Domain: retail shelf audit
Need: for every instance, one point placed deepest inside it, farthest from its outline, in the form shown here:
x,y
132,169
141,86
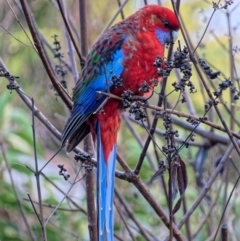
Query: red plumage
x,y
140,51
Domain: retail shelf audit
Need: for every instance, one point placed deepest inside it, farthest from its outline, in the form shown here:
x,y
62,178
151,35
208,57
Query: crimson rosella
x,y
127,50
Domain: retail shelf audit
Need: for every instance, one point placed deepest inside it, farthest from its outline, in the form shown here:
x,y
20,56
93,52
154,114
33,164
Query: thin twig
x,y
19,22
49,46
34,209
139,140
119,4
210,137
62,229
16,38
65,195
55,209
113,18
37,176
230,134
51,206
83,26
231,67
31,235
82,60
70,47
42,53
209,21
119,238
188,227
124,222
44,40
131,215
180,114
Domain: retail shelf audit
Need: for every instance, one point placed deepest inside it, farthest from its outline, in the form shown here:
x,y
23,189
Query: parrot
x,y
126,51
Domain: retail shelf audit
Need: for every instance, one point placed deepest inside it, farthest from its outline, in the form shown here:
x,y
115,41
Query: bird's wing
x,y
103,62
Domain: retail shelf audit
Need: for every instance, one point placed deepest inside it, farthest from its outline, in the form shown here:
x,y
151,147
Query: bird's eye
x,y
166,24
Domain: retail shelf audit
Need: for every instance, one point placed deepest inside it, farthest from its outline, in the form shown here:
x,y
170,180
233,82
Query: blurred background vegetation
x,y
16,120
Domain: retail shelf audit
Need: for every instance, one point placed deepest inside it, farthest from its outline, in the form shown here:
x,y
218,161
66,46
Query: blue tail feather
x,y
105,191
111,164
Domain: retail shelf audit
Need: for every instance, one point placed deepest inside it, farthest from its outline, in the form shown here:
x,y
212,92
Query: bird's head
x,y
160,20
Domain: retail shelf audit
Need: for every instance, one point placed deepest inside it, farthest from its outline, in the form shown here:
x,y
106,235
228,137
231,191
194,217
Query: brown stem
x,y
83,26
224,231
231,63
92,220
37,176
42,53
187,222
82,61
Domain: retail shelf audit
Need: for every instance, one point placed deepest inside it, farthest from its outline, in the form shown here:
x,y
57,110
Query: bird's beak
x,y
174,35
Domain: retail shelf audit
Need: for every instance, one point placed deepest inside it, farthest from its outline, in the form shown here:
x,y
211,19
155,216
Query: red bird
x,y
126,51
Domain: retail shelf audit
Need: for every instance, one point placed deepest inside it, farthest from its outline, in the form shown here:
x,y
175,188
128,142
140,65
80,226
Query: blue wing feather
x,y
86,98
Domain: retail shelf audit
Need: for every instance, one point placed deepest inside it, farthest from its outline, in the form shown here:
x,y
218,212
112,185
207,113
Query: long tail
x,y
105,190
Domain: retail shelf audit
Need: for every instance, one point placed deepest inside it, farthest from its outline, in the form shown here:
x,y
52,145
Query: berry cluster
x,y
217,6
192,121
207,70
117,81
180,61
82,157
11,78
227,83
138,112
144,87
59,68
127,98
63,172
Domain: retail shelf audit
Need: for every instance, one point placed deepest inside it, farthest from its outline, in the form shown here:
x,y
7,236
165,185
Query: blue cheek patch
x,y
162,36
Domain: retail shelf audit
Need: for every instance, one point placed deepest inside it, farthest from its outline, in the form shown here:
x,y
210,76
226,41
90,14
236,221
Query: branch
x,y
82,60
42,53
37,176
179,114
